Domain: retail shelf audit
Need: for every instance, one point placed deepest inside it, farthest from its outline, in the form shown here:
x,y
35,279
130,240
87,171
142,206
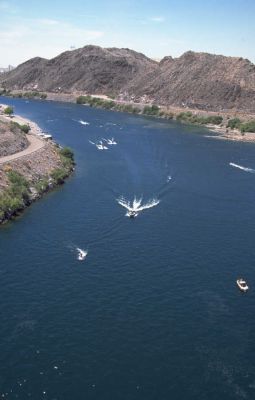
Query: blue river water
x,y
153,312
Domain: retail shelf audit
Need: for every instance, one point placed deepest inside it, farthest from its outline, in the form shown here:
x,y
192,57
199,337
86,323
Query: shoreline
x,y
39,168
170,112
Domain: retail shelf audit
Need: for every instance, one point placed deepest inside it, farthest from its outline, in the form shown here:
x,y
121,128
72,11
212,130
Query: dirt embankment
x,y
29,167
12,139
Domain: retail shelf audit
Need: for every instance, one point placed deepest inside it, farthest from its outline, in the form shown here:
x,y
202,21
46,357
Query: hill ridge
x,y
195,79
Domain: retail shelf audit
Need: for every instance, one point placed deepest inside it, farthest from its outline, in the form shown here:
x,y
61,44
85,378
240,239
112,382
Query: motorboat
x,y
111,141
241,283
132,214
100,146
81,254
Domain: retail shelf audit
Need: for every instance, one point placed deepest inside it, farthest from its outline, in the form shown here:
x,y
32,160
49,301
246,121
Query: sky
x,y
45,28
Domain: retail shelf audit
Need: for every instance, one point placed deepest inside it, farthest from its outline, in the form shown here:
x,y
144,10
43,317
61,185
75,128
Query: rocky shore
x,y
37,165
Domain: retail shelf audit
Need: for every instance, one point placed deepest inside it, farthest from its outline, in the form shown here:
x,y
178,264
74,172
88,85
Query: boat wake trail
x,y
135,207
99,145
83,122
242,168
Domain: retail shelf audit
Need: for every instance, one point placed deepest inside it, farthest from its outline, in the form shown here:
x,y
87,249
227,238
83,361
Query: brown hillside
x,y
197,80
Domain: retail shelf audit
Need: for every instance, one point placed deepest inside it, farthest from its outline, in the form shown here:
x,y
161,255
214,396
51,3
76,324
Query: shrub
x,y
16,196
58,175
234,123
8,110
42,185
187,116
25,128
184,116
248,126
67,152
151,110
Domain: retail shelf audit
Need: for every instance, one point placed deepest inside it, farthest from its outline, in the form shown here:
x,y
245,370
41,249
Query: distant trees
x,y
236,123
187,116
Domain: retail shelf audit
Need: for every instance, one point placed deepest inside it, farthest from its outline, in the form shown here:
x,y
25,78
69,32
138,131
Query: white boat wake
x,y
241,167
81,254
133,208
169,178
83,122
99,145
111,141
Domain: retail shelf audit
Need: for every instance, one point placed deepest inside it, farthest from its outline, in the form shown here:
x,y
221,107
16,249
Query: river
x,y
153,311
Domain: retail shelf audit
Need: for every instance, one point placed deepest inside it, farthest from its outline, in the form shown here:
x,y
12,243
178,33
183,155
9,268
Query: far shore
x,y
223,132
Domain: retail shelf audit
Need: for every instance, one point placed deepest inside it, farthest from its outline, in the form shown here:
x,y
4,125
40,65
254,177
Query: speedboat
x,y
132,214
111,141
100,146
241,283
81,254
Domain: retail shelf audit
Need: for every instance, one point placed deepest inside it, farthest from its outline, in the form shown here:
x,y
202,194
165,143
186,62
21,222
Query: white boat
x,y
110,141
81,254
101,146
241,283
132,214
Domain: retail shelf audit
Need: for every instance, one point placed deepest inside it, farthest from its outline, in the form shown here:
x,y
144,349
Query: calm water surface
x,y
153,312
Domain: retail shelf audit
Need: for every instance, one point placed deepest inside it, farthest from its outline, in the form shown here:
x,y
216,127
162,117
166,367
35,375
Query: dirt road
x,y
35,143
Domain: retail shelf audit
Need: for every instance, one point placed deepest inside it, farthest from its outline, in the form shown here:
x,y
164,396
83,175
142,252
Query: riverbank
x,y
27,175
147,108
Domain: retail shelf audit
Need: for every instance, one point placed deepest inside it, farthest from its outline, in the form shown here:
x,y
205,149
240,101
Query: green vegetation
x,y
67,158
15,197
234,123
151,110
18,195
28,95
248,126
129,108
34,94
188,117
24,128
42,185
58,175
8,110
67,152
4,92
96,102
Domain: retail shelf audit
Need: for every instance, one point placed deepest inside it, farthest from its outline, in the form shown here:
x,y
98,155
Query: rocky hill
x,y
91,69
196,80
12,139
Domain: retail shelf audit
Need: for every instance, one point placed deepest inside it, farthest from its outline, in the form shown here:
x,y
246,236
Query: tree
x,y
8,110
